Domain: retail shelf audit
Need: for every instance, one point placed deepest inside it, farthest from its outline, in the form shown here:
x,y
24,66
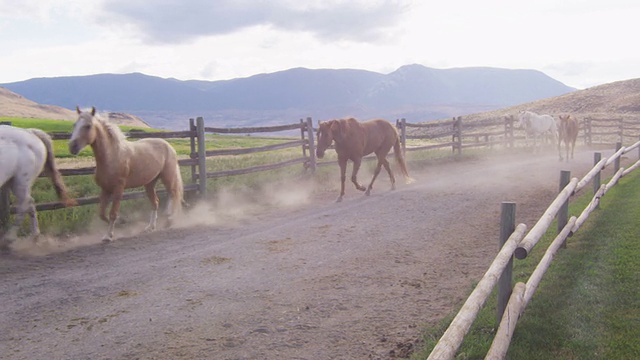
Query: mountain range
x,y
415,92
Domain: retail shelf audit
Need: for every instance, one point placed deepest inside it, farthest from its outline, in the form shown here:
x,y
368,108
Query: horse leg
x,y
343,177
391,177
116,197
24,205
150,188
354,175
104,202
375,175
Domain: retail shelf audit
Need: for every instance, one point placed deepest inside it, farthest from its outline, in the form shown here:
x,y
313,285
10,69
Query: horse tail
x,y
397,150
51,170
177,195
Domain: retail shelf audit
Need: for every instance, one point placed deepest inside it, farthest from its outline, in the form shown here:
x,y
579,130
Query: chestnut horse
x,y
121,164
354,140
24,154
568,132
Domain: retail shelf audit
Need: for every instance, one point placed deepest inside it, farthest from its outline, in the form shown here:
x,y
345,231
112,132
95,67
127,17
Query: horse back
x,y
22,150
381,135
148,159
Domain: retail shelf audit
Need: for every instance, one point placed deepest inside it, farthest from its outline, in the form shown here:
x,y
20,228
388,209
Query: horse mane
x,y
112,130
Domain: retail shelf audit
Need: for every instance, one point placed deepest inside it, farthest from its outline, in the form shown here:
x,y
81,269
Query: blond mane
x,y
113,131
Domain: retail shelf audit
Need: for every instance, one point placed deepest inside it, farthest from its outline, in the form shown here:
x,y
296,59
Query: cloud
x,y
178,21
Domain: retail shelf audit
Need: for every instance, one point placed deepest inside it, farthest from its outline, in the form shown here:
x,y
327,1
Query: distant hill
x,y
415,92
14,105
620,99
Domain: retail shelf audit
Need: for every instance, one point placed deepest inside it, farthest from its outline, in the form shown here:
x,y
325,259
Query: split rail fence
x,y
454,134
516,241
475,134
197,160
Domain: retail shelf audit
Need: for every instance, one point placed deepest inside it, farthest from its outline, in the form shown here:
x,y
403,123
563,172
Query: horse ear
x,y
78,109
93,111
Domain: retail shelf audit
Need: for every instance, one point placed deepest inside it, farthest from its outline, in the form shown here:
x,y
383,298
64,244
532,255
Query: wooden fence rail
x,y
599,131
196,161
455,134
520,245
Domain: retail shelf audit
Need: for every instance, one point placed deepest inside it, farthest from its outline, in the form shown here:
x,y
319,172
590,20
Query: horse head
x,y
328,131
84,132
523,116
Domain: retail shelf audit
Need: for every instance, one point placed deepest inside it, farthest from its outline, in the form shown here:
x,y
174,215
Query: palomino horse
x,y
568,130
354,140
537,126
24,154
121,164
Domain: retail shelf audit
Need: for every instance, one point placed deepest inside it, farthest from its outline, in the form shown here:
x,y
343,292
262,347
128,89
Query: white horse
x,y
537,126
24,154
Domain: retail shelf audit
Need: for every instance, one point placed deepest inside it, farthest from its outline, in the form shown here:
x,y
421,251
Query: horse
x,y
537,126
568,130
24,155
353,140
121,164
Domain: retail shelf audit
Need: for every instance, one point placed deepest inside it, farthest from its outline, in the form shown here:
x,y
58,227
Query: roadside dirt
x,y
296,277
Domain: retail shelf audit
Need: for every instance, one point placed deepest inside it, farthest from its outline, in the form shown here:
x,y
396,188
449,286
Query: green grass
x,y
588,303
182,146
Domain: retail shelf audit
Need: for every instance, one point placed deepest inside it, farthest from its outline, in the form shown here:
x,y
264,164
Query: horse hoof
x,y
106,240
367,193
339,199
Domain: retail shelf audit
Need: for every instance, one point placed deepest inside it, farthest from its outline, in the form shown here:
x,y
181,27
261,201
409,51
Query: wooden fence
x,y
196,161
516,241
455,134
599,131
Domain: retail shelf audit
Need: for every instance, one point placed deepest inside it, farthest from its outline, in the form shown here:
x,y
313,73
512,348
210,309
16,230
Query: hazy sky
x,y
581,43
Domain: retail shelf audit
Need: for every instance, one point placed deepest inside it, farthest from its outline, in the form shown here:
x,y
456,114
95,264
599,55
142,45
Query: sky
x,y
581,43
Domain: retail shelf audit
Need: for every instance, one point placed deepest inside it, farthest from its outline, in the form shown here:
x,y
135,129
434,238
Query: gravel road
x,y
300,278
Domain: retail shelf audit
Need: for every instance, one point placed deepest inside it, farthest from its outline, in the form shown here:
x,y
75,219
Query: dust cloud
x,y
228,207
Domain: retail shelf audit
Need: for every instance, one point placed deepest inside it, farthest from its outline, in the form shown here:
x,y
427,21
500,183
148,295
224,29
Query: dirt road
x,y
308,279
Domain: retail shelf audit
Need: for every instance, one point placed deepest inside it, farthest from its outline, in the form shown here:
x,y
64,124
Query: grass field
x,y
588,304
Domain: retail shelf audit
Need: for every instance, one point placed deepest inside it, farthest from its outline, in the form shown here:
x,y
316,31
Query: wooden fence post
x,y
596,178
563,213
5,206
312,146
507,227
616,162
192,139
202,158
402,124
621,130
508,131
457,133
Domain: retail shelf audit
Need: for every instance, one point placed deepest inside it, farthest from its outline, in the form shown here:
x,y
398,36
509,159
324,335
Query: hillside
x,y
14,105
613,100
